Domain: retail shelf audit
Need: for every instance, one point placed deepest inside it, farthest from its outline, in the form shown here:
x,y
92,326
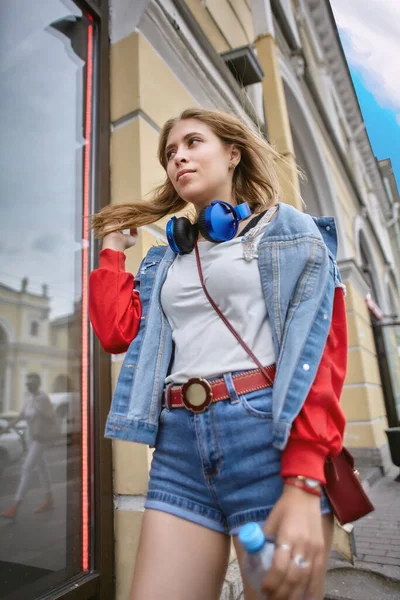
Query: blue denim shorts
x,y
218,468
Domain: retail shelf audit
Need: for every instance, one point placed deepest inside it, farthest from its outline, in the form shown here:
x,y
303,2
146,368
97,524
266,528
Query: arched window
x,y
307,184
34,329
367,267
393,310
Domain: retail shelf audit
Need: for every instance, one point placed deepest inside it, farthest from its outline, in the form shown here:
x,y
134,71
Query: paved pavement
x,y
40,540
376,572
35,546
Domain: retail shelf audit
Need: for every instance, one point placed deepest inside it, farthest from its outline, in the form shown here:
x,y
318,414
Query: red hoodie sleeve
x,y
318,429
114,307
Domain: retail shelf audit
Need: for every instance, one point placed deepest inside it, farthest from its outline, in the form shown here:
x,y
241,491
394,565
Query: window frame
x,y
98,583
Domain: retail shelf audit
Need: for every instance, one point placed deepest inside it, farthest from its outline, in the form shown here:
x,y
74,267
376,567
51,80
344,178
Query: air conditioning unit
x,y
244,66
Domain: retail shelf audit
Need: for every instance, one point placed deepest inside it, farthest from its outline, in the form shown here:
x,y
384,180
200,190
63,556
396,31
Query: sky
x,y
41,102
370,34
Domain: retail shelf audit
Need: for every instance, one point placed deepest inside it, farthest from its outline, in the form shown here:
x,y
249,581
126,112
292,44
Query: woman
x,y
257,451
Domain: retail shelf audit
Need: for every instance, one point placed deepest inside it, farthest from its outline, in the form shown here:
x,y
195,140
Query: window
x,y
51,64
34,329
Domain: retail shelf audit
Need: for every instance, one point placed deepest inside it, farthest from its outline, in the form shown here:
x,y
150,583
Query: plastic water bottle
x,y
259,553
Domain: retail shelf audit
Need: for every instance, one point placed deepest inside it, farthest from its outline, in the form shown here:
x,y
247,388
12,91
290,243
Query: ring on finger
x,y
300,561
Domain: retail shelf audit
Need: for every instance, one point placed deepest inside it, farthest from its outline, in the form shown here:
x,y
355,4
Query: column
x,y
362,398
275,107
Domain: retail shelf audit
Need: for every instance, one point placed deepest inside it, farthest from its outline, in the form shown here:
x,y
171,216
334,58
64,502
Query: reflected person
x,y
40,415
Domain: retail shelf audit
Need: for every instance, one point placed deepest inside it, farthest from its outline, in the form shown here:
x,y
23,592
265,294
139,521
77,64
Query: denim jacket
x,y
296,259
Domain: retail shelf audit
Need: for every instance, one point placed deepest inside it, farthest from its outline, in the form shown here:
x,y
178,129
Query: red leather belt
x,y
197,394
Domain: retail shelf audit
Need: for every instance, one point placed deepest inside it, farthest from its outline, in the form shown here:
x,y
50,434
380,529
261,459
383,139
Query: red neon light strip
x,y
85,318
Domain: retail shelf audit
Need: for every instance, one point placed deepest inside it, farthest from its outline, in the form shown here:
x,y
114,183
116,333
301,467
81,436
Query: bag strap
x,y
225,320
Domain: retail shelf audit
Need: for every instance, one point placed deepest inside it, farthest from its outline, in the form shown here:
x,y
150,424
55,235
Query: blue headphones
x,y
217,222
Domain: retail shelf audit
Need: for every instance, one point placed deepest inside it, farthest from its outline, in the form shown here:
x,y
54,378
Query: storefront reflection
x,y
43,429
45,89
40,426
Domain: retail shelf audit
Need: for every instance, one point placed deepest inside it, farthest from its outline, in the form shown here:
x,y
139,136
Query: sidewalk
x,y
376,572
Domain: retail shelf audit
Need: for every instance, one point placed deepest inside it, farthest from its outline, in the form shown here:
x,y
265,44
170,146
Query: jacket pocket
x,y
312,273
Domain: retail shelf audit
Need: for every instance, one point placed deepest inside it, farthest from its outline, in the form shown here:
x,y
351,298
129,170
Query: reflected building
x,y
31,342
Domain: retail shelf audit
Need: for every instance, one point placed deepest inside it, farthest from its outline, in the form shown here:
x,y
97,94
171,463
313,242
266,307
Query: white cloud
x,y
40,178
370,32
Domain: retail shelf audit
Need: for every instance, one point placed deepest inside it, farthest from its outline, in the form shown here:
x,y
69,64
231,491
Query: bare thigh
x,y
250,594
178,560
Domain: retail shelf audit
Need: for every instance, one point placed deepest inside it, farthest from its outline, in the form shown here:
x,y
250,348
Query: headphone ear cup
x,y
185,234
201,222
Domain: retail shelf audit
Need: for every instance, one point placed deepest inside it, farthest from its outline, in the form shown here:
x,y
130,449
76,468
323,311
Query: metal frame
x,y
101,464
98,583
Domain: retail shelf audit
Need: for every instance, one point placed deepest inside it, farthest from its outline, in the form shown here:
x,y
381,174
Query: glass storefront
x,y
48,67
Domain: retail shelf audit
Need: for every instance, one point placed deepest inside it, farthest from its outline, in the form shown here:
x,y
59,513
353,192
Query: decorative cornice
x,y
18,300
325,26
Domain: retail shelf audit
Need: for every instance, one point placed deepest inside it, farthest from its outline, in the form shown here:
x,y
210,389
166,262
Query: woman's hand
x,y
117,240
298,567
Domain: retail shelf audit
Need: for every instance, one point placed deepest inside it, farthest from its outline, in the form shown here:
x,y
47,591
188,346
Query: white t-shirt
x,y
204,346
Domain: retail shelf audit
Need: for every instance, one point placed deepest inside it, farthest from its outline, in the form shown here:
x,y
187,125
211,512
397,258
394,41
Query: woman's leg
x,y
45,480
27,468
250,594
178,559
42,467
30,462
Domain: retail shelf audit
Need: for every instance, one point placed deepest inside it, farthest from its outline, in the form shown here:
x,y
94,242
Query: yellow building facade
x,y
170,55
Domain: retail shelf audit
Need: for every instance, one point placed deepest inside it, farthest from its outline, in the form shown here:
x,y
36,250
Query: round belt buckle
x,y
197,394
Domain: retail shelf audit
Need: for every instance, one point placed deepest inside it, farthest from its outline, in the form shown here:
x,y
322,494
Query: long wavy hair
x,y
254,181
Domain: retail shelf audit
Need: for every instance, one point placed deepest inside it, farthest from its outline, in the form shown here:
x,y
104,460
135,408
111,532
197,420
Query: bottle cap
x,y
252,537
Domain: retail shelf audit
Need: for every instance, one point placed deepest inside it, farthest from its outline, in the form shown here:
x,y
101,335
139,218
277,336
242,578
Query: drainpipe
x,y
275,108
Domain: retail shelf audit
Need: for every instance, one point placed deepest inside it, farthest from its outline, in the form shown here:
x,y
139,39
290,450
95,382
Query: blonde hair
x,y
254,181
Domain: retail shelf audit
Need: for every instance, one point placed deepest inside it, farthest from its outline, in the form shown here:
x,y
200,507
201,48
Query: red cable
x,y
85,317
